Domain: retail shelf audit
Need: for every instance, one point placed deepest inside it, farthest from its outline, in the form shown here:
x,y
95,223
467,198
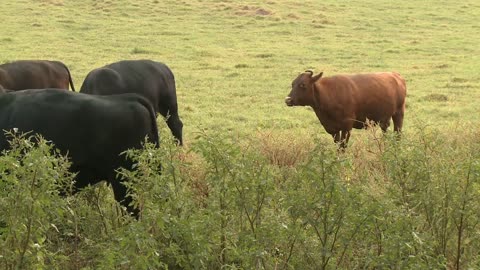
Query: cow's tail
x,y
403,86
399,78
69,77
153,118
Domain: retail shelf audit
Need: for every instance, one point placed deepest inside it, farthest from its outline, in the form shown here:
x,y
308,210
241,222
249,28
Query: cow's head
x,y
302,89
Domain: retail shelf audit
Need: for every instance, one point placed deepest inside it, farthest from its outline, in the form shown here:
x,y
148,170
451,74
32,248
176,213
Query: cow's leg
x,y
341,138
384,124
337,137
398,121
346,136
120,193
83,178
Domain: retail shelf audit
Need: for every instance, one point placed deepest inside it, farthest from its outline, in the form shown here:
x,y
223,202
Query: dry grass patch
x,y
53,2
193,169
253,11
436,97
284,149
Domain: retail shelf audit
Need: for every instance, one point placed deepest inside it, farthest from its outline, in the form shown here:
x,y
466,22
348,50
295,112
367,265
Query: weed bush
x,y
32,211
411,203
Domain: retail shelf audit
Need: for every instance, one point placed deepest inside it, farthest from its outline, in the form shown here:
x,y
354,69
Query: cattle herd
x,y
117,104
114,111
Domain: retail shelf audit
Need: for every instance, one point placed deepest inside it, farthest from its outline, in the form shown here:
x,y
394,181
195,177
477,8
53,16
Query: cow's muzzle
x,y
289,101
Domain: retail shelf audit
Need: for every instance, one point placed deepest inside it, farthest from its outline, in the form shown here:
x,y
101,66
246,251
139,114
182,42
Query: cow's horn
x,y
309,71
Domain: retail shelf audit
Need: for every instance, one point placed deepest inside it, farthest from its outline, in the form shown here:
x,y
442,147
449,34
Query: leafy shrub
x,y
31,178
411,203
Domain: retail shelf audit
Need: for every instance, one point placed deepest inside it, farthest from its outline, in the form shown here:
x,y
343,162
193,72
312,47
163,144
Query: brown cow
x,y
343,102
35,74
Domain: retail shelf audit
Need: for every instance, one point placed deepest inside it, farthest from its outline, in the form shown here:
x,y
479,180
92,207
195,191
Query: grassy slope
x,y
234,62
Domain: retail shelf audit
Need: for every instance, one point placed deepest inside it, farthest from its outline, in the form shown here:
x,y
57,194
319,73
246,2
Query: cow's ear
x,y
317,77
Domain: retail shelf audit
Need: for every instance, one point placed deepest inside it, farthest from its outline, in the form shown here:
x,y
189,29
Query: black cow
x,y
92,130
153,80
35,74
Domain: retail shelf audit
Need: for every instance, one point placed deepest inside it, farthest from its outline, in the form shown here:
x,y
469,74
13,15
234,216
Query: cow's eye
x,y
302,85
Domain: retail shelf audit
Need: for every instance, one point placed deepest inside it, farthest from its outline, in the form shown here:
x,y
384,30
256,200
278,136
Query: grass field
x,y
263,186
234,62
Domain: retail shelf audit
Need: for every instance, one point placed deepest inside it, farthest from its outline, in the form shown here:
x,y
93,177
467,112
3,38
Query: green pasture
x,y
258,185
234,61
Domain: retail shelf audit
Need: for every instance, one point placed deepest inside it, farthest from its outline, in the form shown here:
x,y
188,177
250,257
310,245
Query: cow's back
x,y
104,81
34,74
376,96
153,80
91,129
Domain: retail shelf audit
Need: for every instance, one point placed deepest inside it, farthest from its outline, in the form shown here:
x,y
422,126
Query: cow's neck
x,y
319,98
321,103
